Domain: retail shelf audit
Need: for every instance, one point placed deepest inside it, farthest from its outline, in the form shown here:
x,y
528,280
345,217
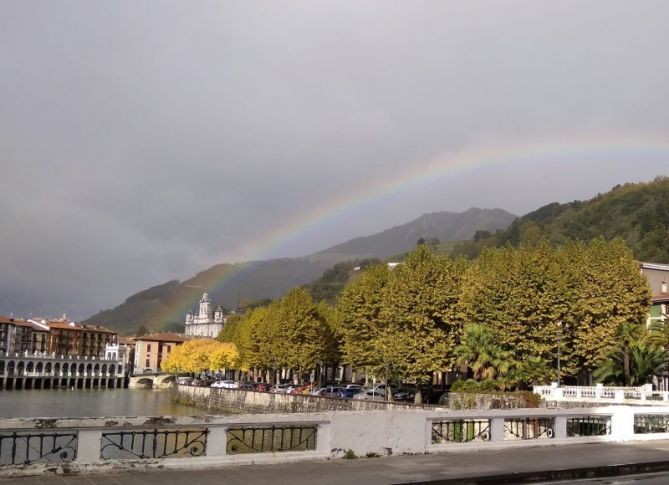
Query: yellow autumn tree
x,y
201,354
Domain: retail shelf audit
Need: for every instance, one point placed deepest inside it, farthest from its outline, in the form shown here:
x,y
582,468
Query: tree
x,y
141,331
420,309
480,352
646,360
360,323
200,355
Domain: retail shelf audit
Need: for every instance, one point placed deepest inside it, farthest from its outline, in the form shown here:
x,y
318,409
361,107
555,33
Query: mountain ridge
x,y
163,306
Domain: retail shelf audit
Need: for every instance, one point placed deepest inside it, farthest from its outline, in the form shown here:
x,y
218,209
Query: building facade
x,y
152,349
658,277
207,322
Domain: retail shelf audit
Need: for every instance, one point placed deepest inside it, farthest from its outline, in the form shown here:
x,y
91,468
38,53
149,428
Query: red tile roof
x,y
162,337
660,298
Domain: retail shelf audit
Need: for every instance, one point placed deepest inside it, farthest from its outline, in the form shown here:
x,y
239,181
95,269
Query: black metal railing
x,y
271,439
528,428
460,431
588,426
24,448
155,443
651,423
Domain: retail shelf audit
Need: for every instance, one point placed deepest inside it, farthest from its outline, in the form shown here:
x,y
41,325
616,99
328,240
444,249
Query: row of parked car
x,y
349,391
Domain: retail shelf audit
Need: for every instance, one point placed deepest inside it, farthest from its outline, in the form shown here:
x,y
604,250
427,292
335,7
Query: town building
x,y
20,336
124,351
658,277
151,349
69,338
207,322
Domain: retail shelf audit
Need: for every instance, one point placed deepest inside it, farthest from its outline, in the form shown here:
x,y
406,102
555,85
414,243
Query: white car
x,y
226,385
371,395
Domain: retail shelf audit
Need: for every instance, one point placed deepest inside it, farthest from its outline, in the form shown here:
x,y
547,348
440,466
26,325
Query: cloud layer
x,y
144,141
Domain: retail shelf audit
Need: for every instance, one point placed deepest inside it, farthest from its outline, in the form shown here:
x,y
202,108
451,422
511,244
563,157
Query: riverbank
x,y
235,401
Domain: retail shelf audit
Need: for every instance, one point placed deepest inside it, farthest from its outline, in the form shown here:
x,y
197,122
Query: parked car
x,y
371,395
184,381
197,383
357,387
247,386
281,388
348,393
329,391
227,384
404,394
262,387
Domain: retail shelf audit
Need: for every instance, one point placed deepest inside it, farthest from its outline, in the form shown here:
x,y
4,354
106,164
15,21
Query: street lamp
x,y
559,335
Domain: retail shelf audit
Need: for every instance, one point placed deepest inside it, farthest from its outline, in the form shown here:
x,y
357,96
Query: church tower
x,y
218,315
205,308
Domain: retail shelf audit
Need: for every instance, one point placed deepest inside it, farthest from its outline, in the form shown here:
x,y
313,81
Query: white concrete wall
x,y
382,432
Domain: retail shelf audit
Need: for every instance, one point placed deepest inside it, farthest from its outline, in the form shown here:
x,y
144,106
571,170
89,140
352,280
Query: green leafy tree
x,y
360,323
420,307
480,352
646,360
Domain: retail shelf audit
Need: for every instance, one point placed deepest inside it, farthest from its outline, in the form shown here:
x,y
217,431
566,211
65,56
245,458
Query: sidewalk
x,y
435,468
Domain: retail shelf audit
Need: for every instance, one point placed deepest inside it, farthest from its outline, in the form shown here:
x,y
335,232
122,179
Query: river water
x,y
54,403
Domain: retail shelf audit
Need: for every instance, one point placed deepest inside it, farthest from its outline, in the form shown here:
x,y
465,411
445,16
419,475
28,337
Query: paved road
x,y
645,479
391,470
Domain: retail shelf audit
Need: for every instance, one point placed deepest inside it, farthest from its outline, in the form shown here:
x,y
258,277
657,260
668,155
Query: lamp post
x,y
559,335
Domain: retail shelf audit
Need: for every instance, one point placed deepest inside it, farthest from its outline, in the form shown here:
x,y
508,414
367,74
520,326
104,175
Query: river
x,y
91,403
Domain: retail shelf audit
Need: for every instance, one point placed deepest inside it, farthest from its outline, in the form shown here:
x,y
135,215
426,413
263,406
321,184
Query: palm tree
x,y
479,352
645,361
626,334
535,370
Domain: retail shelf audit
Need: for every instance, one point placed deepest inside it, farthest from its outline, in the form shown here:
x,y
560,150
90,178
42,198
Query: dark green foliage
x,y
173,327
637,213
329,285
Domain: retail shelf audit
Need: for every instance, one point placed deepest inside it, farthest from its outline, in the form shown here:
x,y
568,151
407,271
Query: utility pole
x,y
559,335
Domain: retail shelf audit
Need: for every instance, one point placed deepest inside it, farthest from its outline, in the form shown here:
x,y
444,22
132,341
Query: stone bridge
x,y
151,381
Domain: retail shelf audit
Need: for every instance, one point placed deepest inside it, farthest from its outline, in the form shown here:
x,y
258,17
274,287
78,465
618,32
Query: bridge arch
x,y
39,368
96,370
47,368
20,368
56,369
167,379
11,368
30,367
104,370
89,370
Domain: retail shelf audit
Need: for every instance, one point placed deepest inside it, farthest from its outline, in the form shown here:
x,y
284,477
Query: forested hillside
x,y
163,307
638,213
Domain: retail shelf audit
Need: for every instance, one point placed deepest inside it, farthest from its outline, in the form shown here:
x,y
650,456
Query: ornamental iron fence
x,y
271,439
155,443
460,431
25,448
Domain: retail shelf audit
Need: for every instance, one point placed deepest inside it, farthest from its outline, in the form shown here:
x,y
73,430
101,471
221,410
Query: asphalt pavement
x,y
488,466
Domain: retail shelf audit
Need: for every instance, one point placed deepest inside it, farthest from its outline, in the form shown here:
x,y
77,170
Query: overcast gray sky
x,y
142,141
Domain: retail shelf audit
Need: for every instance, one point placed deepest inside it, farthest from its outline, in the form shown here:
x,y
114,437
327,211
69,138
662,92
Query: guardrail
x,y
73,445
601,393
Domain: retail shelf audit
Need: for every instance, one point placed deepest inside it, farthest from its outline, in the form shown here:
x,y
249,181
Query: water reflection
x,y
91,403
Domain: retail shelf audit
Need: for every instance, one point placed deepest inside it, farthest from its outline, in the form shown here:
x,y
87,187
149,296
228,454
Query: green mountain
x,y
444,226
638,213
164,306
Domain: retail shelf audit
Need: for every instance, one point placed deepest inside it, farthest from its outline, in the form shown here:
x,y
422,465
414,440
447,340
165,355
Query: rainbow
x,y
447,164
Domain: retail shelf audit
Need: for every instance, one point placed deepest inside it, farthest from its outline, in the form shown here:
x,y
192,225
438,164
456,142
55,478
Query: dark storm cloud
x,y
142,141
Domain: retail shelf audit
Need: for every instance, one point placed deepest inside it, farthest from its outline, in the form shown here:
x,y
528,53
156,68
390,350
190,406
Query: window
x,y
148,363
148,347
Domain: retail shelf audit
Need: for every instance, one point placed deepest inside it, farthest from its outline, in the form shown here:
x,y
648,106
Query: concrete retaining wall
x,y
251,402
